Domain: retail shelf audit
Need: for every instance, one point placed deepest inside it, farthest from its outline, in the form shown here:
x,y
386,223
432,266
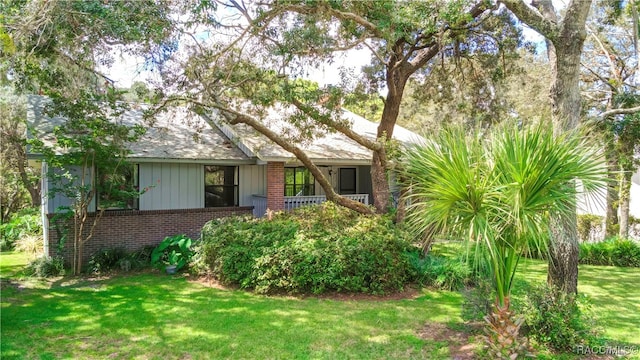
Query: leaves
x,y
498,190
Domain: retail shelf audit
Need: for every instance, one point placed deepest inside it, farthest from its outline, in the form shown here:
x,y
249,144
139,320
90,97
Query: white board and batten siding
x,y
252,180
181,186
171,186
53,201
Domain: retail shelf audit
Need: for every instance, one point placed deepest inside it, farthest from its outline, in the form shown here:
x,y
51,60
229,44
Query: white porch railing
x,y
293,202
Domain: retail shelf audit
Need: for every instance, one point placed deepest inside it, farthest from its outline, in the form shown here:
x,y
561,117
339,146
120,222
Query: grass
x,y
154,316
613,291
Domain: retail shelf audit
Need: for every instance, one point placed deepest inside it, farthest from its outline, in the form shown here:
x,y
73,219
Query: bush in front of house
x,y
317,249
26,222
109,259
612,252
45,266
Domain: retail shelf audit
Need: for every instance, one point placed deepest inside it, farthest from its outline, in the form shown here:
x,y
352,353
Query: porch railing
x,y
293,202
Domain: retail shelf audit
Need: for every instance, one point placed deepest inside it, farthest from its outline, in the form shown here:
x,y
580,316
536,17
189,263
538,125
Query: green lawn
x,y
155,316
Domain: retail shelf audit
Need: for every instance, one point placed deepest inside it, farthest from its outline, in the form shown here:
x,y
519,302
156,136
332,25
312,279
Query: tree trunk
x,y
625,191
611,222
564,56
563,255
396,81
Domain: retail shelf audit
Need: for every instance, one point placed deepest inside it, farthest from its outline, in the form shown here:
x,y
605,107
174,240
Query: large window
x,y
298,182
220,186
117,189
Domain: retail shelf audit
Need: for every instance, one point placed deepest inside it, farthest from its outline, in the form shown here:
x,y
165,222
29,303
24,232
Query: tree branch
x,y
533,18
620,111
347,131
235,117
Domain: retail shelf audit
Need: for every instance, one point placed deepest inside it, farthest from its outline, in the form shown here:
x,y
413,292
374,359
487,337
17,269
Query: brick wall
x,y
275,186
133,230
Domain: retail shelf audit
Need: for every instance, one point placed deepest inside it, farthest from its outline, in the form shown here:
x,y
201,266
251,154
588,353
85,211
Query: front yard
x,y
155,316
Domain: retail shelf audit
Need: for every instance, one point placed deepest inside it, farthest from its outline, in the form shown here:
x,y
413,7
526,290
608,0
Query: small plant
x,y
558,320
107,259
173,250
46,267
30,244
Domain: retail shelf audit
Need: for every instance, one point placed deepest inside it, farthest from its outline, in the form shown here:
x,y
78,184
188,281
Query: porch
x,y
259,202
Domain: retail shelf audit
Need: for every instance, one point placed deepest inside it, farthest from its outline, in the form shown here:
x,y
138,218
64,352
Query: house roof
x,y
176,134
181,135
325,147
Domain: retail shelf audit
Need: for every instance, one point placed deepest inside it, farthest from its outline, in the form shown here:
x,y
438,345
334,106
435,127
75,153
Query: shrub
x,y
107,259
46,267
316,249
140,258
613,252
119,259
23,223
558,320
478,300
173,250
30,244
440,272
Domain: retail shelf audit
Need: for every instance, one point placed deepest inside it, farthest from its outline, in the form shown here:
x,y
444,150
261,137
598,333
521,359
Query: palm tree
x,y
499,191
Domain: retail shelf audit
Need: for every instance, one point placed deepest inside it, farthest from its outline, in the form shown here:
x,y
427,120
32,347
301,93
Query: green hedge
x,y
613,252
316,249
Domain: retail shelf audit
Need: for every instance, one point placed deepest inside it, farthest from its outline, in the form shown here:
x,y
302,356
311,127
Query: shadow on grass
x,y
154,316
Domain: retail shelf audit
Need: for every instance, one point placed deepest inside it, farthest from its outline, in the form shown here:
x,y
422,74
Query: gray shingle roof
x,y
178,134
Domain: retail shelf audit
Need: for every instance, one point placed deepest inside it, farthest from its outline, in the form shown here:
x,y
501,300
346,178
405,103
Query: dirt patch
x,y
210,282
460,347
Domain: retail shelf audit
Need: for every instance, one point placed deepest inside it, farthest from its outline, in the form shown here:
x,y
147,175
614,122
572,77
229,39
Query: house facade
x,y
193,168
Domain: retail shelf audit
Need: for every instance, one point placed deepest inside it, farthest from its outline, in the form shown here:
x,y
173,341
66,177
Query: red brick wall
x,y
133,230
275,186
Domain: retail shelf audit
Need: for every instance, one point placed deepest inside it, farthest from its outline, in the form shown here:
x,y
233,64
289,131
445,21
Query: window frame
x,y
307,187
133,202
224,196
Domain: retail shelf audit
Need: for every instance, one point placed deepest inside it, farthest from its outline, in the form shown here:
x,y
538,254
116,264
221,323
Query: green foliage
x,y
87,157
27,222
477,300
173,250
46,267
588,223
316,249
558,320
497,191
119,259
440,272
612,252
106,259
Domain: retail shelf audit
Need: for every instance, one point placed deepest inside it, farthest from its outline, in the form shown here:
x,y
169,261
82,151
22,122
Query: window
x,y
220,186
298,182
347,180
117,189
